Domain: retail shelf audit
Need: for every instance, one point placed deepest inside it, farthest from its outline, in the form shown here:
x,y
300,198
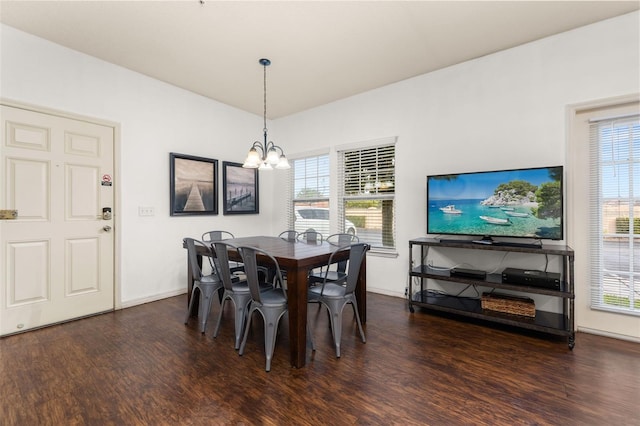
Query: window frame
x,y
378,192
605,155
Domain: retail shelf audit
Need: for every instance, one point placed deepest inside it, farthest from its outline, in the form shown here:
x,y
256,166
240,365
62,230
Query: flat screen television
x,y
519,203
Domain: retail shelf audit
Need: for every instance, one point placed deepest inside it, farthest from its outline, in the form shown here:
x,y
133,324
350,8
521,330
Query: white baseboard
x,y
385,292
155,297
609,334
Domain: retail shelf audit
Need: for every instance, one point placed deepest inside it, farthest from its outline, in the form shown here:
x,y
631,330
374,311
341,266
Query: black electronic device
x,y
475,274
532,277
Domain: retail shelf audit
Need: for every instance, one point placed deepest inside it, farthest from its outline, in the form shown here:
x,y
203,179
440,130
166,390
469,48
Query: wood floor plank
x,y
143,366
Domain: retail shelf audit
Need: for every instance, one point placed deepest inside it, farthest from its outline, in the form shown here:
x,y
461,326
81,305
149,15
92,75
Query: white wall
x,y
505,110
500,111
155,119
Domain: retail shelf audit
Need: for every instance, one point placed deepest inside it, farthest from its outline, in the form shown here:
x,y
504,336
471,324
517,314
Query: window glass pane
x,y
636,259
311,195
615,217
616,254
372,220
312,215
615,181
615,289
636,179
311,178
621,143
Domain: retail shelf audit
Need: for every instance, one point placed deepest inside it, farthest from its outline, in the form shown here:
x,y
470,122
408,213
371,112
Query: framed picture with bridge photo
x,y
240,189
193,185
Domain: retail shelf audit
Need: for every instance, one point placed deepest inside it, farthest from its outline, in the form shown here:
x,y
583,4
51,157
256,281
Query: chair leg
x,y
246,329
222,303
241,305
206,298
193,292
271,321
336,319
354,305
310,334
335,308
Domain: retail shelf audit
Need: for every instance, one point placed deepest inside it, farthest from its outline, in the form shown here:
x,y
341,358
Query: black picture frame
x,y
195,177
241,191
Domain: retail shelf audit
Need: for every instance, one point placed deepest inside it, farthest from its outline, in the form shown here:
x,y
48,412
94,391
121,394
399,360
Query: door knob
x,y
107,228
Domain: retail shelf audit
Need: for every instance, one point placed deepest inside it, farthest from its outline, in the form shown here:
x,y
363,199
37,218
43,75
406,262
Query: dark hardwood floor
x,y
143,366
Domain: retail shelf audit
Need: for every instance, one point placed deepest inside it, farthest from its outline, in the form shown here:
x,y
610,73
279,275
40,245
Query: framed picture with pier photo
x,y
193,185
240,189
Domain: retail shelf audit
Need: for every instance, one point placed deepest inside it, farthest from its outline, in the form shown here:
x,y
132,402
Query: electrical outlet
x,y
146,211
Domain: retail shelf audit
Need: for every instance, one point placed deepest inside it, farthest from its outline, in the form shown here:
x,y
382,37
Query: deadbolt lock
x,y
8,214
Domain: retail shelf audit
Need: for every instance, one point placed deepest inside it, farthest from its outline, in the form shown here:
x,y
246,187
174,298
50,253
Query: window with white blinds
x,y
366,194
309,208
615,214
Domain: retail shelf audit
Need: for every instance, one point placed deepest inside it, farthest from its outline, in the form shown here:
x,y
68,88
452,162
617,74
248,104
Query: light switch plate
x,y
146,211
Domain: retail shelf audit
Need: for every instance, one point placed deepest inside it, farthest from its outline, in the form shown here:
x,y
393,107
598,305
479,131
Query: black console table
x,y
561,324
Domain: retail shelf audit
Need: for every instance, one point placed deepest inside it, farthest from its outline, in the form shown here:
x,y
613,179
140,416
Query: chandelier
x,y
270,155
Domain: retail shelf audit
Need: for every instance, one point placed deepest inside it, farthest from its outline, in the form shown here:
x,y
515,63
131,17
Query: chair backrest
x,y
290,235
342,240
221,261
192,254
250,259
357,253
310,236
211,236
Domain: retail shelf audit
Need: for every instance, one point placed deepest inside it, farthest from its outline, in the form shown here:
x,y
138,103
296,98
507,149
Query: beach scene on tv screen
x,y
514,203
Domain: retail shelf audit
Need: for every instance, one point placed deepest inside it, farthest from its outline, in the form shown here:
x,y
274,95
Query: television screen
x,y
523,203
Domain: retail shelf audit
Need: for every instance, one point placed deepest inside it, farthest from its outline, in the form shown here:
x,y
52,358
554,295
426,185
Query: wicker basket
x,y
509,304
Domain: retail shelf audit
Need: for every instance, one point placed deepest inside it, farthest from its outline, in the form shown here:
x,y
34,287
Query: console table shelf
x,y
561,324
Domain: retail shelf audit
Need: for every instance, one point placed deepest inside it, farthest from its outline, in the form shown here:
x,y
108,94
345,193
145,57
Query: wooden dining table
x,y
297,258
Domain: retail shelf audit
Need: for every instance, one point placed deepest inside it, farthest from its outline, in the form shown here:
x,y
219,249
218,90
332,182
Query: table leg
x,y
297,301
361,291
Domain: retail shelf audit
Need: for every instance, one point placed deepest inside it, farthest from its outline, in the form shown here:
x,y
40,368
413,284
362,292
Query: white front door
x,y
57,256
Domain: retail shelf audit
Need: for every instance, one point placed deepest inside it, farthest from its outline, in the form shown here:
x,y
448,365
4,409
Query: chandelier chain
x,y
268,158
264,67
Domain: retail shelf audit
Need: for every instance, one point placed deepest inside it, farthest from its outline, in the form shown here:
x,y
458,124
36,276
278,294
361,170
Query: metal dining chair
x,y
335,296
271,304
235,290
207,285
217,235
211,236
289,235
337,275
310,236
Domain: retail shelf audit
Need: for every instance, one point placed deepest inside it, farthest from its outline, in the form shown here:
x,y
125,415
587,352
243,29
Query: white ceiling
x,y
321,51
